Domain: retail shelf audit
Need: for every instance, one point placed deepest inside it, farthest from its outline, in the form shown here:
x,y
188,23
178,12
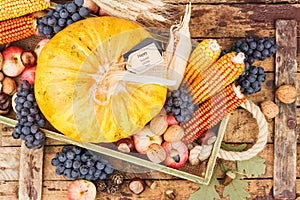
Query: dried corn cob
x,y
212,111
15,8
204,55
17,28
217,76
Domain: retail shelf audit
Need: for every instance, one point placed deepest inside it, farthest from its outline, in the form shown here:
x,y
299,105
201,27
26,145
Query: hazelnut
x,y
151,184
170,194
174,133
194,154
205,152
1,75
136,185
229,177
286,94
159,124
125,145
156,153
5,103
9,86
1,60
208,138
28,58
269,109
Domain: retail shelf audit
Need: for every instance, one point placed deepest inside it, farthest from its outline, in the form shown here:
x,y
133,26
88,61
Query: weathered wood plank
x,y
239,20
182,190
31,173
231,1
57,190
9,163
285,143
8,190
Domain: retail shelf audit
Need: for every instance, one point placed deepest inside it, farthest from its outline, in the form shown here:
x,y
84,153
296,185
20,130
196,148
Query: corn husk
x,y
179,49
146,12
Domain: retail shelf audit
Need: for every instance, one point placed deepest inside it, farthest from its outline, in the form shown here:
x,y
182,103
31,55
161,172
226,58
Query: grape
x,y
68,163
57,28
180,104
59,7
55,162
83,169
71,7
63,13
56,15
52,21
62,22
47,30
15,135
62,157
78,2
92,168
83,12
67,173
76,17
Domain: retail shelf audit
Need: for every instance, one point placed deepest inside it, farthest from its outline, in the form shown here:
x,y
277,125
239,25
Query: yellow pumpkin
x,y
76,70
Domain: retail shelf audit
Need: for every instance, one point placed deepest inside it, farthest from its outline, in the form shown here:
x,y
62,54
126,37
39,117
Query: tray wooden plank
x,y
31,173
285,143
49,170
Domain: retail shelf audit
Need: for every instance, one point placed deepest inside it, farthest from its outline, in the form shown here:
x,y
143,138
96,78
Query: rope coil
x,y
261,138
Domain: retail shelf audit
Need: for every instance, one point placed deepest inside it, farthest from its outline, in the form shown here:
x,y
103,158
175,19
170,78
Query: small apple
x,y
38,48
81,190
177,154
12,64
171,120
94,8
29,74
144,138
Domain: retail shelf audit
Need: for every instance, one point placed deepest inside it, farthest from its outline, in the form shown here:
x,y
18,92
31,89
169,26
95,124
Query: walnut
x,y
9,86
286,94
269,109
5,103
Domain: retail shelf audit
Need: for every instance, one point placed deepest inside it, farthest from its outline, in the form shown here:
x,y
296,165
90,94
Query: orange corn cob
x,y
15,8
216,77
18,28
212,111
204,55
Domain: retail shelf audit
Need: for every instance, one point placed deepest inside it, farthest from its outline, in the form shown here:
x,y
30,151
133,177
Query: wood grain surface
x,y
285,143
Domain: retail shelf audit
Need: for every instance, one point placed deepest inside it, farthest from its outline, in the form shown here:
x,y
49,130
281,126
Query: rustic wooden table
x,y
226,21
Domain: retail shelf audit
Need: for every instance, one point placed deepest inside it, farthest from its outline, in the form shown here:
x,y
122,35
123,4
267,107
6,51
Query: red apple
x,y
171,120
29,74
144,138
12,64
38,48
81,190
177,154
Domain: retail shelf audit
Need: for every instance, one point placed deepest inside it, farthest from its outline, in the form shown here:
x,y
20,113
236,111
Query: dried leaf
x,y
228,147
253,167
207,192
236,189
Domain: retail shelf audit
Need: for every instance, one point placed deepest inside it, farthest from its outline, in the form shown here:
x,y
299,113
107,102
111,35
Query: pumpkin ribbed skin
x,y
68,69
